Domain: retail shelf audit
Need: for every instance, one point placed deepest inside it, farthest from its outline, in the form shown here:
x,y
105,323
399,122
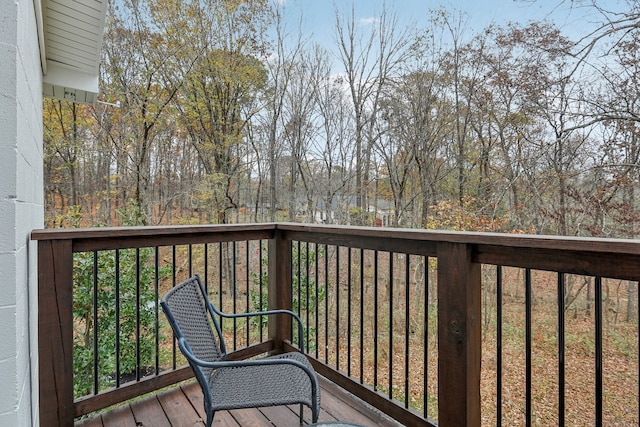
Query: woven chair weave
x,y
188,308
255,386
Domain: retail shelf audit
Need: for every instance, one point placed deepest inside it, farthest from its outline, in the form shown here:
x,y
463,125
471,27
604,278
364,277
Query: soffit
x,y
73,32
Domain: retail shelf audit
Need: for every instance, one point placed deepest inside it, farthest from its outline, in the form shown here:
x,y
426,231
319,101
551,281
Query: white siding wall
x,y
21,209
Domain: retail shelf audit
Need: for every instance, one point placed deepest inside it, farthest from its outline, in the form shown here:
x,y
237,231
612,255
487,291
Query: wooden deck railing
x,y
355,288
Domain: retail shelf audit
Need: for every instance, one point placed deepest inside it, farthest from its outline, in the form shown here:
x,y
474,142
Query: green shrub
x,y
130,275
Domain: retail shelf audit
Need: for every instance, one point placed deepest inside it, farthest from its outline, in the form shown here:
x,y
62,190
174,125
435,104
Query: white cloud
x,y
368,21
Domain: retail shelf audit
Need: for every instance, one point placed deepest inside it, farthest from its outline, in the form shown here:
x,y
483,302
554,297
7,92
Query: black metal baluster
x,y
390,285
156,310
528,410
220,249
349,312
190,256
117,272
298,273
173,284
96,382
317,301
235,302
361,316
337,308
306,303
425,323
137,314
299,278
561,349
246,260
326,305
499,346
598,361
206,268
375,320
407,332
260,294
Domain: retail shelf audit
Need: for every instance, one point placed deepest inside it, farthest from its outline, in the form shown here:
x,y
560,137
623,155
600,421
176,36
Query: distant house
x,y
384,213
48,49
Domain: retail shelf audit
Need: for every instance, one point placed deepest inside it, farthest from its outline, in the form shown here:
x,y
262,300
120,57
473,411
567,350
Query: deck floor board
x,y
182,407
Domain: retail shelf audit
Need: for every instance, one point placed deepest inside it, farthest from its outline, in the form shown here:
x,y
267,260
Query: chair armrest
x,y
186,350
265,313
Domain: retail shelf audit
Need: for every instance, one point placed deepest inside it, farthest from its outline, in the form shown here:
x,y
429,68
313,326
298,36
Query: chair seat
x,y
256,386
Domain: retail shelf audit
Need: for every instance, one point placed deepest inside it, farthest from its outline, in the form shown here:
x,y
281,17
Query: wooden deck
x,y
183,407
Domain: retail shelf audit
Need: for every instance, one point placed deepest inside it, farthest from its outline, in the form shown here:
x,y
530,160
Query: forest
x,y
214,111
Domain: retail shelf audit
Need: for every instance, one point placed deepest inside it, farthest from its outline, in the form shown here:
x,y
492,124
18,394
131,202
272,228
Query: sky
x,y
318,16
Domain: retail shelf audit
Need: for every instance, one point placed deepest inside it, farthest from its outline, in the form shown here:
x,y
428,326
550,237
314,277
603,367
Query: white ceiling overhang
x,y
71,33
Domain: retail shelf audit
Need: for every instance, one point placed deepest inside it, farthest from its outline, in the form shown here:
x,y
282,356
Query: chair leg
x,y
301,414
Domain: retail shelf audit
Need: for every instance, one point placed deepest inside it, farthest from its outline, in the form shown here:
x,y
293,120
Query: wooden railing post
x,y
55,332
459,336
279,288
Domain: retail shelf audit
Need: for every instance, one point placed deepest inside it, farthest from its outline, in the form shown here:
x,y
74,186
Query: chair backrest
x,y
190,315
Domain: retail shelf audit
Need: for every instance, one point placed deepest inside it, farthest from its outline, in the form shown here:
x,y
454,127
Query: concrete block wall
x,y
21,209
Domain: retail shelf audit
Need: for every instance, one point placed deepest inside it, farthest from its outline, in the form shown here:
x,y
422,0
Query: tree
x,y
139,64
397,158
227,75
280,72
553,95
368,62
461,72
333,143
298,133
421,117
66,128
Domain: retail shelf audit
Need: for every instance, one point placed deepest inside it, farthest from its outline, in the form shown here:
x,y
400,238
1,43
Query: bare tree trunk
x,y
368,64
228,269
631,302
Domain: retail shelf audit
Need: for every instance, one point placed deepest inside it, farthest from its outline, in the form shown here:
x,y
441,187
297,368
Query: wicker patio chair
x,y
283,379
